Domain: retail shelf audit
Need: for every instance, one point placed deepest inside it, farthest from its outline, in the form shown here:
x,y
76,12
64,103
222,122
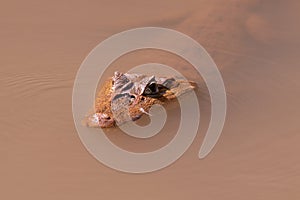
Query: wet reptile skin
x,y
127,97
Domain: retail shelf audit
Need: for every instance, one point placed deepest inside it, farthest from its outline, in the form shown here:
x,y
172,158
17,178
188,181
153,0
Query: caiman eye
x,y
147,91
151,89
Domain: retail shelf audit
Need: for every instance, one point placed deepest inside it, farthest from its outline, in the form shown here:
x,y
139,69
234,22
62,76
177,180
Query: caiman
x,y
128,96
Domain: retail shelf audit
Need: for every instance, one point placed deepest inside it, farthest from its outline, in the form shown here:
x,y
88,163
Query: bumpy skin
x,y
127,97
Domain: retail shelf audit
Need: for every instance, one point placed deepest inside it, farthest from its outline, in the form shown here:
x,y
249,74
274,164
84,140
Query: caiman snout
x,y
100,120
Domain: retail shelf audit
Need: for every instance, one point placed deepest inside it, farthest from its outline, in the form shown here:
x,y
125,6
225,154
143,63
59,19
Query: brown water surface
x,y
256,47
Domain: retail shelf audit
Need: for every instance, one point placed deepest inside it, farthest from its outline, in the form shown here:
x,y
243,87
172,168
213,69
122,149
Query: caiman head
x,y
127,97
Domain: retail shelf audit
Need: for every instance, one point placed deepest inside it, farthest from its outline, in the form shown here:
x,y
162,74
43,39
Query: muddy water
x,y
256,47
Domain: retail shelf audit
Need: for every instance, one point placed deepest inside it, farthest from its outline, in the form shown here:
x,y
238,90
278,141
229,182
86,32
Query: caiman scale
x,y
127,97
